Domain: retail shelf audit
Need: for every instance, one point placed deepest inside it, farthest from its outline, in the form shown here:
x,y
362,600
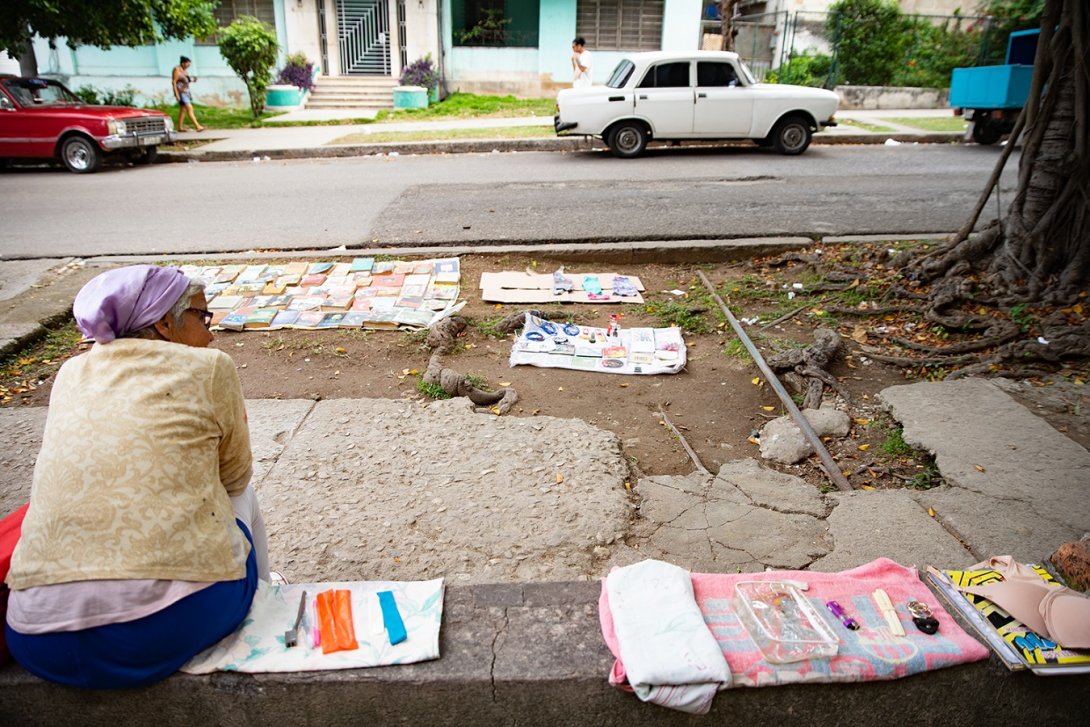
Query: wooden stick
x,y
688,450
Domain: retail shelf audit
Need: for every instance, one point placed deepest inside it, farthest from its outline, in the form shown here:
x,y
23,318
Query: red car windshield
x,y
31,92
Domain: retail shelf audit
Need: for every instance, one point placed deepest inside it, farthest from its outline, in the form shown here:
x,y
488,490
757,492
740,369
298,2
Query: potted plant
x,y
293,82
421,72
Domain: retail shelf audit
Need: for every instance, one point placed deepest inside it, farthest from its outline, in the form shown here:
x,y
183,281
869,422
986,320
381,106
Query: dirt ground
x,y
717,403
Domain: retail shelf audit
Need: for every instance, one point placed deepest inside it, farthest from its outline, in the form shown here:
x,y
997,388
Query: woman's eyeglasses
x,y
206,315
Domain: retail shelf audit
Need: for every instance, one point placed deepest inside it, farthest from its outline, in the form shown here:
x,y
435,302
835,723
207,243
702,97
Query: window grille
x,y
628,25
229,10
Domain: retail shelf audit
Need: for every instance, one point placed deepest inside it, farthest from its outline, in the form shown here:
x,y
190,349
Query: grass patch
x,y
432,391
20,373
927,478
672,313
931,123
455,106
894,443
501,132
864,126
472,106
479,381
487,327
734,348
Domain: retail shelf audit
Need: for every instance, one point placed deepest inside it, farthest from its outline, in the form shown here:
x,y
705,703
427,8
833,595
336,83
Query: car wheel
x,y
628,139
81,155
985,132
792,135
147,155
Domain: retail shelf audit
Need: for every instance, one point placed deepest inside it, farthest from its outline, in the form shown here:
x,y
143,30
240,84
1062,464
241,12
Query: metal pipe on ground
x,y
828,464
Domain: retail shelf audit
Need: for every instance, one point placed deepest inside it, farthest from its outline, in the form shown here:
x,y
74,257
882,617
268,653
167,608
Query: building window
x,y
628,25
229,10
495,23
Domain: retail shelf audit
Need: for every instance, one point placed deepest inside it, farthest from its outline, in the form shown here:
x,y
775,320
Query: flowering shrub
x,y
298,72
420,72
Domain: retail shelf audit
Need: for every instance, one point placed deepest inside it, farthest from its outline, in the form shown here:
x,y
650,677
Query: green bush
x,y
106,97
1009,15
805,69
870,39
249,46
934,51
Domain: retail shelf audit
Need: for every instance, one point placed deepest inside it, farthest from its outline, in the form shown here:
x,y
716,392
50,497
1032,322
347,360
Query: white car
x,y
694,95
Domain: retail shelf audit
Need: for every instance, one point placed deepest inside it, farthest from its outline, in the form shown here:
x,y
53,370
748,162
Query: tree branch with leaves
x,y
101,24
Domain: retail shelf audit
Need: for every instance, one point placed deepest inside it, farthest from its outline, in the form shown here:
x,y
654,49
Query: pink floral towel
x,y
869,654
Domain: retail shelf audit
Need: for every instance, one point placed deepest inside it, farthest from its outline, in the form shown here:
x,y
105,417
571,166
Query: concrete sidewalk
x,y
323,141
481,504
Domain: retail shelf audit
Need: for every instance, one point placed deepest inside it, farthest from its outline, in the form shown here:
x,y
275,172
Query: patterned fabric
x,y
144,443
258,645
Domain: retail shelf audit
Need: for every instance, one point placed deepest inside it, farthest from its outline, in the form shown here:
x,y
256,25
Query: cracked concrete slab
x,y
20,439
1017,485
381,488
773,490
869,524
272,423
747,518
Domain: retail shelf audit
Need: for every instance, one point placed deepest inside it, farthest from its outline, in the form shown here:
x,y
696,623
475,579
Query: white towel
x,y
669,655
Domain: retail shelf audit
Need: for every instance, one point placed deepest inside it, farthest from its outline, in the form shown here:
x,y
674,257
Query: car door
x,y
724,104
24,130
664,96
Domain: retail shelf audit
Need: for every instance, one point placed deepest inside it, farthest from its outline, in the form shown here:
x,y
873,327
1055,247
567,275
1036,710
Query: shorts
x,y
184,99
143,651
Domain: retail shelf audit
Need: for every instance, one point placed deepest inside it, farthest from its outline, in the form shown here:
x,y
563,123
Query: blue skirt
x,y
144,651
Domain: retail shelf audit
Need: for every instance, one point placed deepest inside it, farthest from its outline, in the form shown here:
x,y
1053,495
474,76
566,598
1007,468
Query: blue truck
x,y
992,96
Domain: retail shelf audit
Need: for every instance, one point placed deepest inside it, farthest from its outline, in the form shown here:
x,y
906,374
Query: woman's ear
x,y
165,327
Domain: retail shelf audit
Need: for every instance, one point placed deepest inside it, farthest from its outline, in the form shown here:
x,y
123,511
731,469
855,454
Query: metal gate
x,y
363,27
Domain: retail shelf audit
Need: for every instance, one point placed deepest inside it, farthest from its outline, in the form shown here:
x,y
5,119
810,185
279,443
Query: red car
x,y
41,119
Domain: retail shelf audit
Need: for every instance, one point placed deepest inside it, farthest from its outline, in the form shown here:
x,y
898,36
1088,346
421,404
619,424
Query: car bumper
x,y
134,141
562,127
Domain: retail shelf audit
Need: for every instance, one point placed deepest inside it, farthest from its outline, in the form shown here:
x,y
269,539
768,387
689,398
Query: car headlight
x,y
115,128
168,124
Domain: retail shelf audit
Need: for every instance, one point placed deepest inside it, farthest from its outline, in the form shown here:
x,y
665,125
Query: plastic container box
x,y
782,622
410,97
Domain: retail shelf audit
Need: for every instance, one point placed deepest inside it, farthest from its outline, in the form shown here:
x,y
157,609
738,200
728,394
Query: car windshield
x,y
39,92
620,74
750,80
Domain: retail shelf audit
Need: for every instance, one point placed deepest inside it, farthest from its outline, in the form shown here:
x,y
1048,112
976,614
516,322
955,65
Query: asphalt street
x,y
500,197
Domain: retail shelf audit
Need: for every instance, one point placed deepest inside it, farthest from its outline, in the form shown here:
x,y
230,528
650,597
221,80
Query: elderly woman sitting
x,y
144,543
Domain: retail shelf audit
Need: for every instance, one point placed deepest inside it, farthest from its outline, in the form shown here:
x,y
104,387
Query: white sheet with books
x,y
557,345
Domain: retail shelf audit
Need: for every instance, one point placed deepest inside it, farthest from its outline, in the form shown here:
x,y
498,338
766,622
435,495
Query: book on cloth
x,y
1005,634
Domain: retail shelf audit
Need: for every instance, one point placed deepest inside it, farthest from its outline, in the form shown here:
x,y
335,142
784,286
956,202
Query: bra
x,y
1053,611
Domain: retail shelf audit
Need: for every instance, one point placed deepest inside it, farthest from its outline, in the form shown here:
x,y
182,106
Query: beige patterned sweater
x,y
144,443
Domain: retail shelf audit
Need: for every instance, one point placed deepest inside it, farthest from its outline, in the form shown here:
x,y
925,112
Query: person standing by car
x,y
181,79
580,63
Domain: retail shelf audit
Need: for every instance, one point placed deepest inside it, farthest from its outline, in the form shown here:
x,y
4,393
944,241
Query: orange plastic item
x,y
335,621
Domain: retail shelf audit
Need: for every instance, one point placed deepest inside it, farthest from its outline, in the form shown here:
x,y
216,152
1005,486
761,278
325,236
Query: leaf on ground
x,y
869,487
559,478
931,511
979,468
769,408
859,334
863,447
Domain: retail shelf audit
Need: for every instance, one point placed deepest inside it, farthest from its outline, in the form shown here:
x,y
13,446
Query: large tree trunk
x,y
28,61
1040,252
726,20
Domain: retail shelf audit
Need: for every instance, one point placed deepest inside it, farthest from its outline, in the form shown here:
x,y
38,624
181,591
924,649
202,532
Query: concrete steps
x,y
340,92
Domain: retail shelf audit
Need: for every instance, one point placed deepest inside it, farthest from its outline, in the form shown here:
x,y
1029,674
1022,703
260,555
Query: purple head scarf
x,y
119,302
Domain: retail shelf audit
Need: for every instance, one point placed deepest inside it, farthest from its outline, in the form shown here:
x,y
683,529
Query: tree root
x,y
442,340
811,363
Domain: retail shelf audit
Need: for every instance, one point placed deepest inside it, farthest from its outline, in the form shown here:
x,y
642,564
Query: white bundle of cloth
x,y
668,654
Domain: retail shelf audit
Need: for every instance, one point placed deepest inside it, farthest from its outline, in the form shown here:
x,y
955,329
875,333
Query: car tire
x,y
627,139
792,135
985,132
147,155
81,155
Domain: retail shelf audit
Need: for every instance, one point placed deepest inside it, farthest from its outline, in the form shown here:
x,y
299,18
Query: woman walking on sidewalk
x,y
180,80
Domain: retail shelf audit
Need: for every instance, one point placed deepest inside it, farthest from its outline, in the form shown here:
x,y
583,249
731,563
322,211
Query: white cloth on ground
x,y
669,655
